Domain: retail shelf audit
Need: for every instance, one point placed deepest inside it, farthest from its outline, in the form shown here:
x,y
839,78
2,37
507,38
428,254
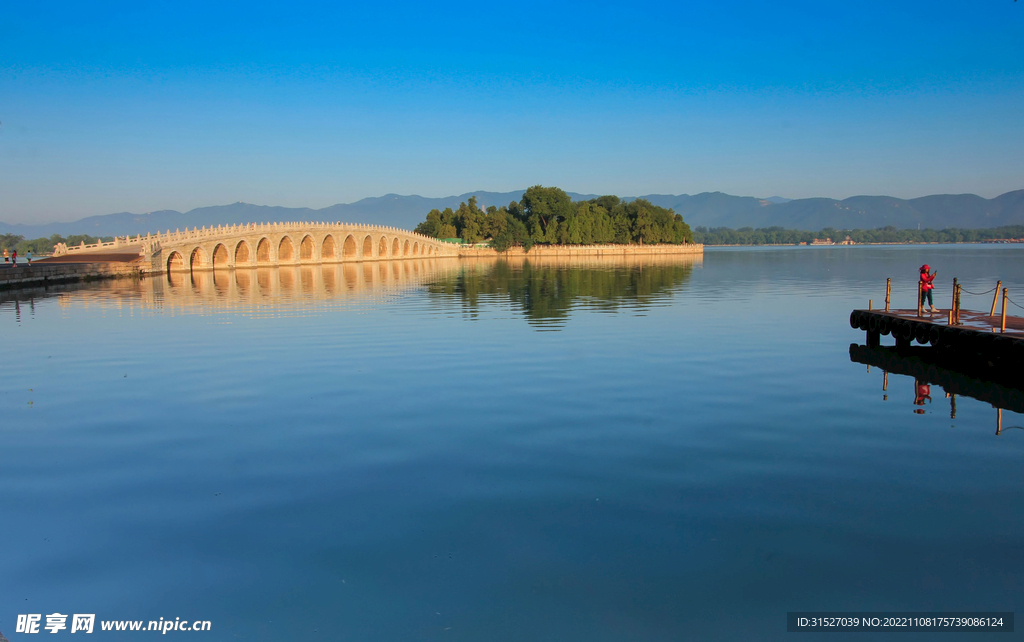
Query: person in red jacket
x,y
927,287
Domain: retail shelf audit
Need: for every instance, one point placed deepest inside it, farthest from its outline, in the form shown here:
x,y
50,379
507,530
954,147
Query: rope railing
x,y
953,313
978,293
955,307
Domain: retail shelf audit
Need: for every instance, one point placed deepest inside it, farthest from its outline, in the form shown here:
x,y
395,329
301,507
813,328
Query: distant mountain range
x,y
710,209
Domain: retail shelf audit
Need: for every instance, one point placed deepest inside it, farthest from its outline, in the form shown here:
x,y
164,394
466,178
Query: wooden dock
x,y
990,346
955,328
975,331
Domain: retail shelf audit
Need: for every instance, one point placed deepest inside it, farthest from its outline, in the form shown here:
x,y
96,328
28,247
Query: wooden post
x,y
952,304
885,381
1006,295
888,293
950,320
995,299
999,420
869,304
919,291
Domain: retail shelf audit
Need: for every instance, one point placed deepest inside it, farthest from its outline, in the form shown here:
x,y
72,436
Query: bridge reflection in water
x,y
377,281
279,290
543,290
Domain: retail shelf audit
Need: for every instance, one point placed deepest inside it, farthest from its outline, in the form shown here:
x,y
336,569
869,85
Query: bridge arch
x,y
349,249
220,256
286,250
175,262
327,249
293,244
307,250
197,259
263,251
242,253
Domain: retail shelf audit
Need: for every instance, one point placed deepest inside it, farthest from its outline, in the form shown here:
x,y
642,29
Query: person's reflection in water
x,y
922,391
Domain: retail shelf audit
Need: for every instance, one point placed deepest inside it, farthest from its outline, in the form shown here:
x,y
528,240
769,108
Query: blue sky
x,y
172,105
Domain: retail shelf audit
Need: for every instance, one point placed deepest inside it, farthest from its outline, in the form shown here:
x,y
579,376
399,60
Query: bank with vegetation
x,y
781,236
548,216
44,246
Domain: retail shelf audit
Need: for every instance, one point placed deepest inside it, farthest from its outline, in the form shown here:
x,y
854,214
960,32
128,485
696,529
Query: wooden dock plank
x,y
969,320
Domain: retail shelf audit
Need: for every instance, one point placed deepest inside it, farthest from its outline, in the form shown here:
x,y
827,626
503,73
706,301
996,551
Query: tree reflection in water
x,y
546,290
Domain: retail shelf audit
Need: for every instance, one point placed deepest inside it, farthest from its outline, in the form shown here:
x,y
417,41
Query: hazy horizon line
x,y
472,192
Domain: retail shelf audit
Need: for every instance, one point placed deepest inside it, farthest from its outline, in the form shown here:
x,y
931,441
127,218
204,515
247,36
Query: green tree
x,y
495,221
10,241
543,208
643,224
513,233
432,226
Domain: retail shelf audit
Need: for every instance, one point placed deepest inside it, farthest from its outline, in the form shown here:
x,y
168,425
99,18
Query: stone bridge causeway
x,y
266,245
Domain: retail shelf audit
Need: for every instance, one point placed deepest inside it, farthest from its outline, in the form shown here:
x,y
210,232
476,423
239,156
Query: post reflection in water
x,y
922,364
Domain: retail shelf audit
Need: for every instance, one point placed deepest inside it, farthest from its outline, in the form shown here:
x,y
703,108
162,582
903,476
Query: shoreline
x,y
856,244
46,274
660,249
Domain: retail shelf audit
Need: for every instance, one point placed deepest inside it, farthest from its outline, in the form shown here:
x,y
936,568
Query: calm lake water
x,y
436,450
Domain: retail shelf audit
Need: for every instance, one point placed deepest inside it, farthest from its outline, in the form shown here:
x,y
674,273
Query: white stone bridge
x,y
265,245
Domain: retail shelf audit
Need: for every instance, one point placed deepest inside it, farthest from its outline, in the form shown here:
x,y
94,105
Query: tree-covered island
x,y
548,215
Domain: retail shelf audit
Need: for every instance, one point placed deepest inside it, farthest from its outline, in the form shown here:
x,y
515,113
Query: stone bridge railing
x,y
269,244
206,233
62,249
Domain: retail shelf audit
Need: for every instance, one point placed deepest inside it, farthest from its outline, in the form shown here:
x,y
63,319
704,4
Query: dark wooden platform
x,y
975,343
935,328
